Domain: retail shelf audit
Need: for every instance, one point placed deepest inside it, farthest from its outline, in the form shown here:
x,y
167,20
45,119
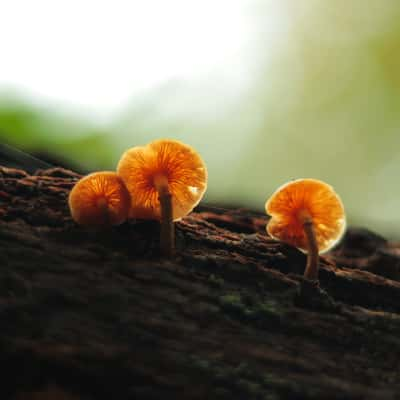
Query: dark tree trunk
x,y
100,315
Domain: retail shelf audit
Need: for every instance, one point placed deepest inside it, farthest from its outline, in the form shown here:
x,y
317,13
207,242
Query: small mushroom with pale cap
x,y
100,200
166,180
308,214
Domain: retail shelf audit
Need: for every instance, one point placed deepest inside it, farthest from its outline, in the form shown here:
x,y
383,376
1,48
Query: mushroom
x,y
99,199
166,180
308,214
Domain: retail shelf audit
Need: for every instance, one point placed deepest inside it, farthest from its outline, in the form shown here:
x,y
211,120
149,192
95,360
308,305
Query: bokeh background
x,y
266,90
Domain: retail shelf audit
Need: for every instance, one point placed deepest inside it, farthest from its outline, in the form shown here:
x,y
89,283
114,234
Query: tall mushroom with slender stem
x,y
166,180
99,199
308,214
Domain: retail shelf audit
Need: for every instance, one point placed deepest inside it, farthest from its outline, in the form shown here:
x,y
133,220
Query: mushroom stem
x,y
311,271
167,232
103,206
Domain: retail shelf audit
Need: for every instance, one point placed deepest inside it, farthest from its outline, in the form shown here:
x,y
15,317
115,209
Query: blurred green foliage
x,y
38,130
325,103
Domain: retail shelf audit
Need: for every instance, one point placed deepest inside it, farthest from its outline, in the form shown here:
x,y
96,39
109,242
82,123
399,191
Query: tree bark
x,y
101,315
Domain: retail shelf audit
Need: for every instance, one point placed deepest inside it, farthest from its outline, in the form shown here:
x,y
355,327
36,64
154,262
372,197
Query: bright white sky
x,y
93,56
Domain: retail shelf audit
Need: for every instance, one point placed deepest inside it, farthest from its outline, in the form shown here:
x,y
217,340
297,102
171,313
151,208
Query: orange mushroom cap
x,y
306,199
170,160
99,199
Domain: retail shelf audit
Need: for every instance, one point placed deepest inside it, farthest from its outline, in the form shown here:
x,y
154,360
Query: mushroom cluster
x,y
163,180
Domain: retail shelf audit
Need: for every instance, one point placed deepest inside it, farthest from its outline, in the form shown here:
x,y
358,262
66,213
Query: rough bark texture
x,y
100,315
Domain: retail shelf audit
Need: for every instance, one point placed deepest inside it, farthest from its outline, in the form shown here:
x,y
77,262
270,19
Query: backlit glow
x,y
95,55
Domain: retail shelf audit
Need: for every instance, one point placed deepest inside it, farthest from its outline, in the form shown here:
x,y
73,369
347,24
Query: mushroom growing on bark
x,y
166,180
99,199
308,214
